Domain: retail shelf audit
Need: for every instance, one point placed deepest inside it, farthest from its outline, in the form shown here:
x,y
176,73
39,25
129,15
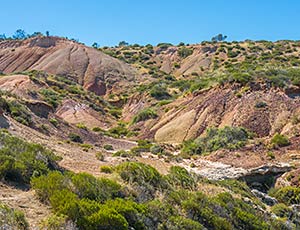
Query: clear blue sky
x,y
139,21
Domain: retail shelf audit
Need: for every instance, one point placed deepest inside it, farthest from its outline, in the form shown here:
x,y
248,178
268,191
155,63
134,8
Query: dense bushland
x,y
148,200
20,160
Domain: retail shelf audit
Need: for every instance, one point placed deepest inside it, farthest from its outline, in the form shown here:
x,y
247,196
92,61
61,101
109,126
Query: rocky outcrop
x,y
220,171
268,200
4,123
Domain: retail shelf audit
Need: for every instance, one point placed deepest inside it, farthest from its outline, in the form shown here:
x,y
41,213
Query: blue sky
x,y
139,21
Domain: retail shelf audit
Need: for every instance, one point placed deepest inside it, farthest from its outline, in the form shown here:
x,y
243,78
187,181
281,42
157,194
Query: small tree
x,y
219,38
2,36
123,43
20,34
95,45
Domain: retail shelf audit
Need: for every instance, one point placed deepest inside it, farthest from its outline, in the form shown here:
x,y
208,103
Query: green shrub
x,y
55,222
106,169
132,211
12,219
64,202
261,104
237,187
119,131
246,220
75,138
106,219
180,223
108,147
197,206
20,160
144,115
184,52
288,195
156,149
121,153
159,92
53,121
81,126
280,140
100,156
281,210
116,112
227,137
242,78
97,129
135,172
20,113
164,46
179,176
143,146
45,185
87,186
50,96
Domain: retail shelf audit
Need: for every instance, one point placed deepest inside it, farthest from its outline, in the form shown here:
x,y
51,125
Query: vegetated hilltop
x,y
90,68
179,137
195,59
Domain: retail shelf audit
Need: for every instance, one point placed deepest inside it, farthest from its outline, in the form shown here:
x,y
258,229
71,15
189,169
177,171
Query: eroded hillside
x,y
211,128
92,69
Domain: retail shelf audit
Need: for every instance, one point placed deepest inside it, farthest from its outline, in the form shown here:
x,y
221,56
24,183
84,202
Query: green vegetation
x,y
279,140
17,110
100,156
281,210
106,169
75,138
227,137
119,131
287,195
81,126
261,104
100,203
50,96
12,219
21,160
184,52
53,121
144,115
108,147
180,177
159,92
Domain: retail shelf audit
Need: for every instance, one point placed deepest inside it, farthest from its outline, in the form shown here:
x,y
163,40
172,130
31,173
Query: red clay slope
x,y
91,68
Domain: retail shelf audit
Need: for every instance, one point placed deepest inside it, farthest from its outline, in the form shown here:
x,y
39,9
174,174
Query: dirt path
x,y
74,157
26,202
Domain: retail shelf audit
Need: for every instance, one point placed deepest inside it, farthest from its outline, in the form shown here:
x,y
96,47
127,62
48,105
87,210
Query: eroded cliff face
x,y
264,111
91,68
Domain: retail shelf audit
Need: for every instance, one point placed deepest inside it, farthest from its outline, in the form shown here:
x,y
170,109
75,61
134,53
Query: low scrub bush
x,y
144,115
280,140
184,52
159,92
288,195
20,160
135,172
227,137
12,219
180,177
75,138
106,169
